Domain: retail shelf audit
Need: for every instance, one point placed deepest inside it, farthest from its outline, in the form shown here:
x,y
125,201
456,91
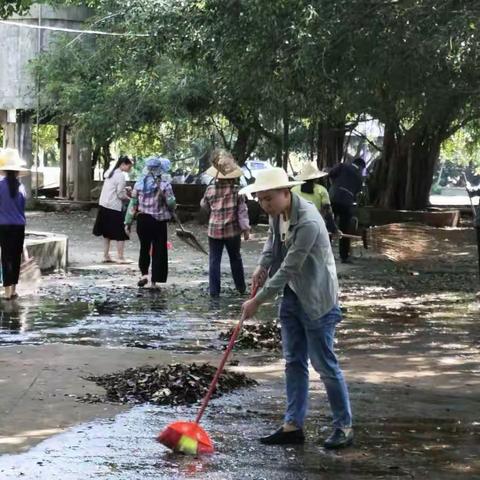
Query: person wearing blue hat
x,y
152,205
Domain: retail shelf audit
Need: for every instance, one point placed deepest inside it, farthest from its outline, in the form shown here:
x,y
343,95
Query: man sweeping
x,y
297,259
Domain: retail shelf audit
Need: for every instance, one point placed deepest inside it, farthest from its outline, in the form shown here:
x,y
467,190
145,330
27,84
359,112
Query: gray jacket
x,y
305,261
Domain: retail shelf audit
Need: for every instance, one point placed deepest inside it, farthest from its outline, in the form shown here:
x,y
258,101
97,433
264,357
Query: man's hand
x,y
246,234
259,277
249,308
128,230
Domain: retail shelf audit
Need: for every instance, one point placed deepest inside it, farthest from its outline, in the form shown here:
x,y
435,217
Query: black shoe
x,y
284,438
338,439
347,260
142,282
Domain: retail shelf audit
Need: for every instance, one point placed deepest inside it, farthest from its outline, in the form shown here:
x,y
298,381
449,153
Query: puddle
x,y
187,321
123,448
151,321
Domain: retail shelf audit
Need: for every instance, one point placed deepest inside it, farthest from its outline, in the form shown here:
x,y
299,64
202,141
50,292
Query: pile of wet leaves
x,y
175,384
265,335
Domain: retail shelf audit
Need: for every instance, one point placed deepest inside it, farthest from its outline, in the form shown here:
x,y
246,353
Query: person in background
x,y
12,219
347,182
228,221
110,217
152,204
475,192
316,193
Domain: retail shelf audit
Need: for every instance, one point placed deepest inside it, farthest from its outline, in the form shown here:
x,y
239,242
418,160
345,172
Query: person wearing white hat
x,y
228,220
316,193
12,218
297,259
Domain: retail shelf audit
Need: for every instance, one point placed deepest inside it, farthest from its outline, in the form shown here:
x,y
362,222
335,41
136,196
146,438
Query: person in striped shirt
x,y
152,204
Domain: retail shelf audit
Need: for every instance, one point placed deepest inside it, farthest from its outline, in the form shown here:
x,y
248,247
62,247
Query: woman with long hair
x,y
12,219
110,217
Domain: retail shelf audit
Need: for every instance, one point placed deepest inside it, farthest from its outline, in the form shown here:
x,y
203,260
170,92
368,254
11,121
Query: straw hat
x,y
235,173
310,171
270,179
10,160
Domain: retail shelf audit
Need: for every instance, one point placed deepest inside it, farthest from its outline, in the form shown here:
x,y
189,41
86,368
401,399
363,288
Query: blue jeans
x,y
304,338
236,264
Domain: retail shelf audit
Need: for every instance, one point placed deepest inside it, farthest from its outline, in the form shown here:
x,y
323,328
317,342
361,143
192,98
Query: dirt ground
x,y
409,346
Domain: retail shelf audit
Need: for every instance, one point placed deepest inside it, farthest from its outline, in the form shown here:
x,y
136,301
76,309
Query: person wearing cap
x,y
152,204
12,218
228,221
347,182
314,192
297,259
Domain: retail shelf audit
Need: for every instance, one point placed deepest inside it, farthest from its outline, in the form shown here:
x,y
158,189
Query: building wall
x,y
20,45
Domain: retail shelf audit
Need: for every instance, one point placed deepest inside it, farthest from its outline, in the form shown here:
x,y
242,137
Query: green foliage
x,y
463,148
9,7
257,75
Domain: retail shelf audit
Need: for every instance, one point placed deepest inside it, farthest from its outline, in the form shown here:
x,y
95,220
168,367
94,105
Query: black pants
x,y
343,214
153,244
236,264
11,243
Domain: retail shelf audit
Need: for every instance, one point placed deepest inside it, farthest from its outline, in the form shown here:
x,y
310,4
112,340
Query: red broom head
x,y
186,437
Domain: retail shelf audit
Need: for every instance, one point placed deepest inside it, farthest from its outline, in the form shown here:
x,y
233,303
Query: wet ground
x,y
409,345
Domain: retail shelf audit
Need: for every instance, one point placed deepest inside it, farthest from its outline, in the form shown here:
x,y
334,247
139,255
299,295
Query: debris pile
x,y
175,384
265,335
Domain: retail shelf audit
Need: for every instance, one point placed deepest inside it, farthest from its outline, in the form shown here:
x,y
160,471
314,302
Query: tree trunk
x,y
62,140
403,176
286,139
245,143
107,157
311,141
330,142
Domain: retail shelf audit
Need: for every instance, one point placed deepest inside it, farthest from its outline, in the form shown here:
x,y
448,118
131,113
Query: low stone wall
x,y
50,250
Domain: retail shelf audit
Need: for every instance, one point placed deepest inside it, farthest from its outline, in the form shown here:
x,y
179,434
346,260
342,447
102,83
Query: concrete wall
x,y
20,45
49,250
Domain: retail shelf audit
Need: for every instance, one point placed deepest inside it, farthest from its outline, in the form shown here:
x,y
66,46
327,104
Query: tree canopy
x,y
275,77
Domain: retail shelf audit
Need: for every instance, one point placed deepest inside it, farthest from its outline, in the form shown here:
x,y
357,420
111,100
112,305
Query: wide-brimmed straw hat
x,y
10,161
270,179
237,172
310,171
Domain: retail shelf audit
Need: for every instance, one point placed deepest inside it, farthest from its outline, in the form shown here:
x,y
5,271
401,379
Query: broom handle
x,y
353,237
348,235
175,217
219,371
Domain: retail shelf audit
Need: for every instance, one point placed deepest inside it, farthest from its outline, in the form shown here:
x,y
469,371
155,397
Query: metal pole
x,y
37,142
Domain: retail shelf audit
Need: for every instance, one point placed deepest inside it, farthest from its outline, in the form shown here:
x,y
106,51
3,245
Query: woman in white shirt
x,y
110,217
